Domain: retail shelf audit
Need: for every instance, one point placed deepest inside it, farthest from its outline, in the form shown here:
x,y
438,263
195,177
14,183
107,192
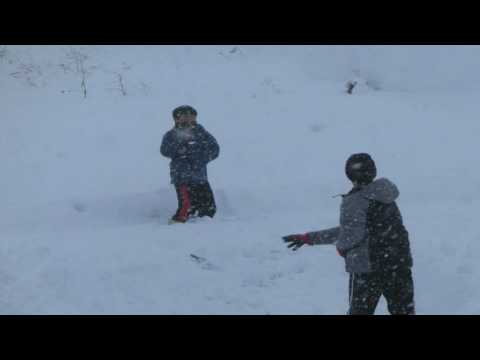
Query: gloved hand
x,y
192,147
182,150
188,149
297,241
342,253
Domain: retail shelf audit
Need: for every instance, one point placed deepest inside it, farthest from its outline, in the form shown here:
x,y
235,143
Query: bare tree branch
x,y
3,52
120,82
79,59
84,88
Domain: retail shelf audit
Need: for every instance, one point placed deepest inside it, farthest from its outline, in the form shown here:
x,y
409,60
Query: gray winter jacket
x,y
371,234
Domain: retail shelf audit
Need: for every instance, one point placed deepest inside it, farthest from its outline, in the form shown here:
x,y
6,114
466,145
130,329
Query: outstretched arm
x,y
328,236
323,237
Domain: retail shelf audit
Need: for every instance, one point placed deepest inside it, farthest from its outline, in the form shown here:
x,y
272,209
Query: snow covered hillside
x,y
86,194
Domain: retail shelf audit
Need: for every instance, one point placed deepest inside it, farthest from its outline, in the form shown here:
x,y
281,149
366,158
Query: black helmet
x,y
361,169
183,110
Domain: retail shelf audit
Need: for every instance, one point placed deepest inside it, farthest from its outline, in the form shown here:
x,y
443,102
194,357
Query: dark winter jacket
x,y
371,234
190,149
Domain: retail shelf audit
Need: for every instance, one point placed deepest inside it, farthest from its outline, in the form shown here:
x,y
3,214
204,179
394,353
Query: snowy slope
x,y
86,194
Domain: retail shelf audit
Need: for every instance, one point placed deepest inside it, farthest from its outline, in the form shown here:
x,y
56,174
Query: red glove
x,y
297,240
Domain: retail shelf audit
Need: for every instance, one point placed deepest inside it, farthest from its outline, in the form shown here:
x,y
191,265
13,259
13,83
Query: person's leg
x,y
184,203
206,201
364,293
398,290
195,199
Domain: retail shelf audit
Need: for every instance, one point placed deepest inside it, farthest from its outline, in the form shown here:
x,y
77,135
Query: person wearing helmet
x,y
190,148
373,241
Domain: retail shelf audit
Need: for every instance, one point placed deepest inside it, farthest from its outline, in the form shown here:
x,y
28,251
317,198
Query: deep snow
x,y
86,194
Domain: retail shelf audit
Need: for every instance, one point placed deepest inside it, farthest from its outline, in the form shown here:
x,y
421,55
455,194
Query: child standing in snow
x,y
190,148
373,241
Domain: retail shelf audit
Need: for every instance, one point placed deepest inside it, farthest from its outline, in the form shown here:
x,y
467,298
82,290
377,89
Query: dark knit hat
x,y
183,110
361,169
